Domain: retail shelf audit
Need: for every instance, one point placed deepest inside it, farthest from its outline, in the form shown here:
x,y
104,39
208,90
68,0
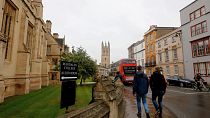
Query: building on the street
x,y
195,25
150,37
104,66
105,55
139,53
23,66
24,37
55,48
66,48
131,51
169,54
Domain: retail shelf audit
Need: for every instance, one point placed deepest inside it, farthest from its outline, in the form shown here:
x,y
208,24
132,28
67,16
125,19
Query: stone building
x,y
24,37
105,55
104,66
150,37
55,48
139,53
131,51
195,25
169,54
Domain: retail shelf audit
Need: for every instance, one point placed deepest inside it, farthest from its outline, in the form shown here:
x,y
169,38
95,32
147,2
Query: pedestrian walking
x,y
118,76
158,86
140,90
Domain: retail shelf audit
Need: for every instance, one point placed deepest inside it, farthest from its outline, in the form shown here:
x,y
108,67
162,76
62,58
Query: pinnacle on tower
x,y
102,44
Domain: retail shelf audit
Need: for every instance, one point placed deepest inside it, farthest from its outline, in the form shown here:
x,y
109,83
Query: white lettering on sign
x,y
68,78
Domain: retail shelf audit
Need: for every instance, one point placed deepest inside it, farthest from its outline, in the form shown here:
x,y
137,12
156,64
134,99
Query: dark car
x,y
179,81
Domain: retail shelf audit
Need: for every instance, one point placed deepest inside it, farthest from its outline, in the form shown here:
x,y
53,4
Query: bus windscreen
x,y
129,70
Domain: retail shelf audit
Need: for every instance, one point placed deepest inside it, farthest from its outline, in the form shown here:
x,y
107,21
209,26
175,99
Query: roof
x,y
60,41
158,28
188,5
170,33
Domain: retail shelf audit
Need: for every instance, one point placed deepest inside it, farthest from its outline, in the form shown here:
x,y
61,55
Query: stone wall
x,y
97,109
107,101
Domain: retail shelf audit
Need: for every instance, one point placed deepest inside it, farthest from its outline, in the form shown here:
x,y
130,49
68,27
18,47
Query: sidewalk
x,y
131,108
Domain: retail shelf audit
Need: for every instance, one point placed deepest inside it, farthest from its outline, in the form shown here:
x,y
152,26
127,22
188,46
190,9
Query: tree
x,y
86,66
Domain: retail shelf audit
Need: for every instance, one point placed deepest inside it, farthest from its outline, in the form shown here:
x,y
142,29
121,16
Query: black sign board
x,y
68,71
68,93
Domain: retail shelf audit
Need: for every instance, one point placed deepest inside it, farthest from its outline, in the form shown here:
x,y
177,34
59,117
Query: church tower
x,y
105,54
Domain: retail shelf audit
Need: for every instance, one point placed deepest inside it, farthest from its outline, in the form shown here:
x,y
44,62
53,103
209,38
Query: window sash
x,y
206,47
167,70
193,31
195,49
204,27
203,11
202,68
196,70
197,13
176,70
175,53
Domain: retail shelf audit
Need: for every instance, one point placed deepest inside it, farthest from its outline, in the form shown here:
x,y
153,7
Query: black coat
x,y
141,83
158,82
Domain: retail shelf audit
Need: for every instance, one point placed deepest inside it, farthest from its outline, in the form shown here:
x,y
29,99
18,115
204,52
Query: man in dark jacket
x,y
140,90
158,86
118,75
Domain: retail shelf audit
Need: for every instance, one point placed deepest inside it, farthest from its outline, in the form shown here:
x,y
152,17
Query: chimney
x,y
55,35
49,25
153,26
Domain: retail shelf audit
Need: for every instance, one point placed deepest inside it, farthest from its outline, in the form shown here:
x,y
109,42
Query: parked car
x,y
179,81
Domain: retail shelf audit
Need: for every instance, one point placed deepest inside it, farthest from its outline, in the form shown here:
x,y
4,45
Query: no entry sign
x,y
69,71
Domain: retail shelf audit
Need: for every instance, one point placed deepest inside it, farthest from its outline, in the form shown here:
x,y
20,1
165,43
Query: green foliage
x,y
44,103
86,66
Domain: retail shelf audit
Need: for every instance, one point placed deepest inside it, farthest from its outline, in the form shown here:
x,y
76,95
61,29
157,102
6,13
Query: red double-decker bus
x,y
126,67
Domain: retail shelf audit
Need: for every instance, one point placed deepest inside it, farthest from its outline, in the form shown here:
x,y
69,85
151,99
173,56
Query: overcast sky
x,y
87,23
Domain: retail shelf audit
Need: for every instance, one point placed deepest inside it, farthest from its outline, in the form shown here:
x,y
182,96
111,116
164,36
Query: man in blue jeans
x,y
158,86
140,90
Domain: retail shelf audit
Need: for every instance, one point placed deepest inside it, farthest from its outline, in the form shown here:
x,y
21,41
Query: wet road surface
x,y
131,108
179,102
187,103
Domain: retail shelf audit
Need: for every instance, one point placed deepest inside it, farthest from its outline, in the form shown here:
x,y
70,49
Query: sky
x,y
86,23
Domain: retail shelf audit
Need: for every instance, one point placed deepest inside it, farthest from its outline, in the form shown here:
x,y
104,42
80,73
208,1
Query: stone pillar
x,y
22,86
113,109
45,78
2,90
2,52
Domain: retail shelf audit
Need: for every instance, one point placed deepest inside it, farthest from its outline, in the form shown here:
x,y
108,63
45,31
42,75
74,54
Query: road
x,y
183,102
187,103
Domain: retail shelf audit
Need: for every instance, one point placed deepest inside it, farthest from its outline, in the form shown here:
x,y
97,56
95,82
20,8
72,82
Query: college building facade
x,y
24,39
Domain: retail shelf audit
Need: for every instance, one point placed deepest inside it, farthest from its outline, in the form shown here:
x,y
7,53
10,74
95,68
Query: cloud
x,y
87,23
